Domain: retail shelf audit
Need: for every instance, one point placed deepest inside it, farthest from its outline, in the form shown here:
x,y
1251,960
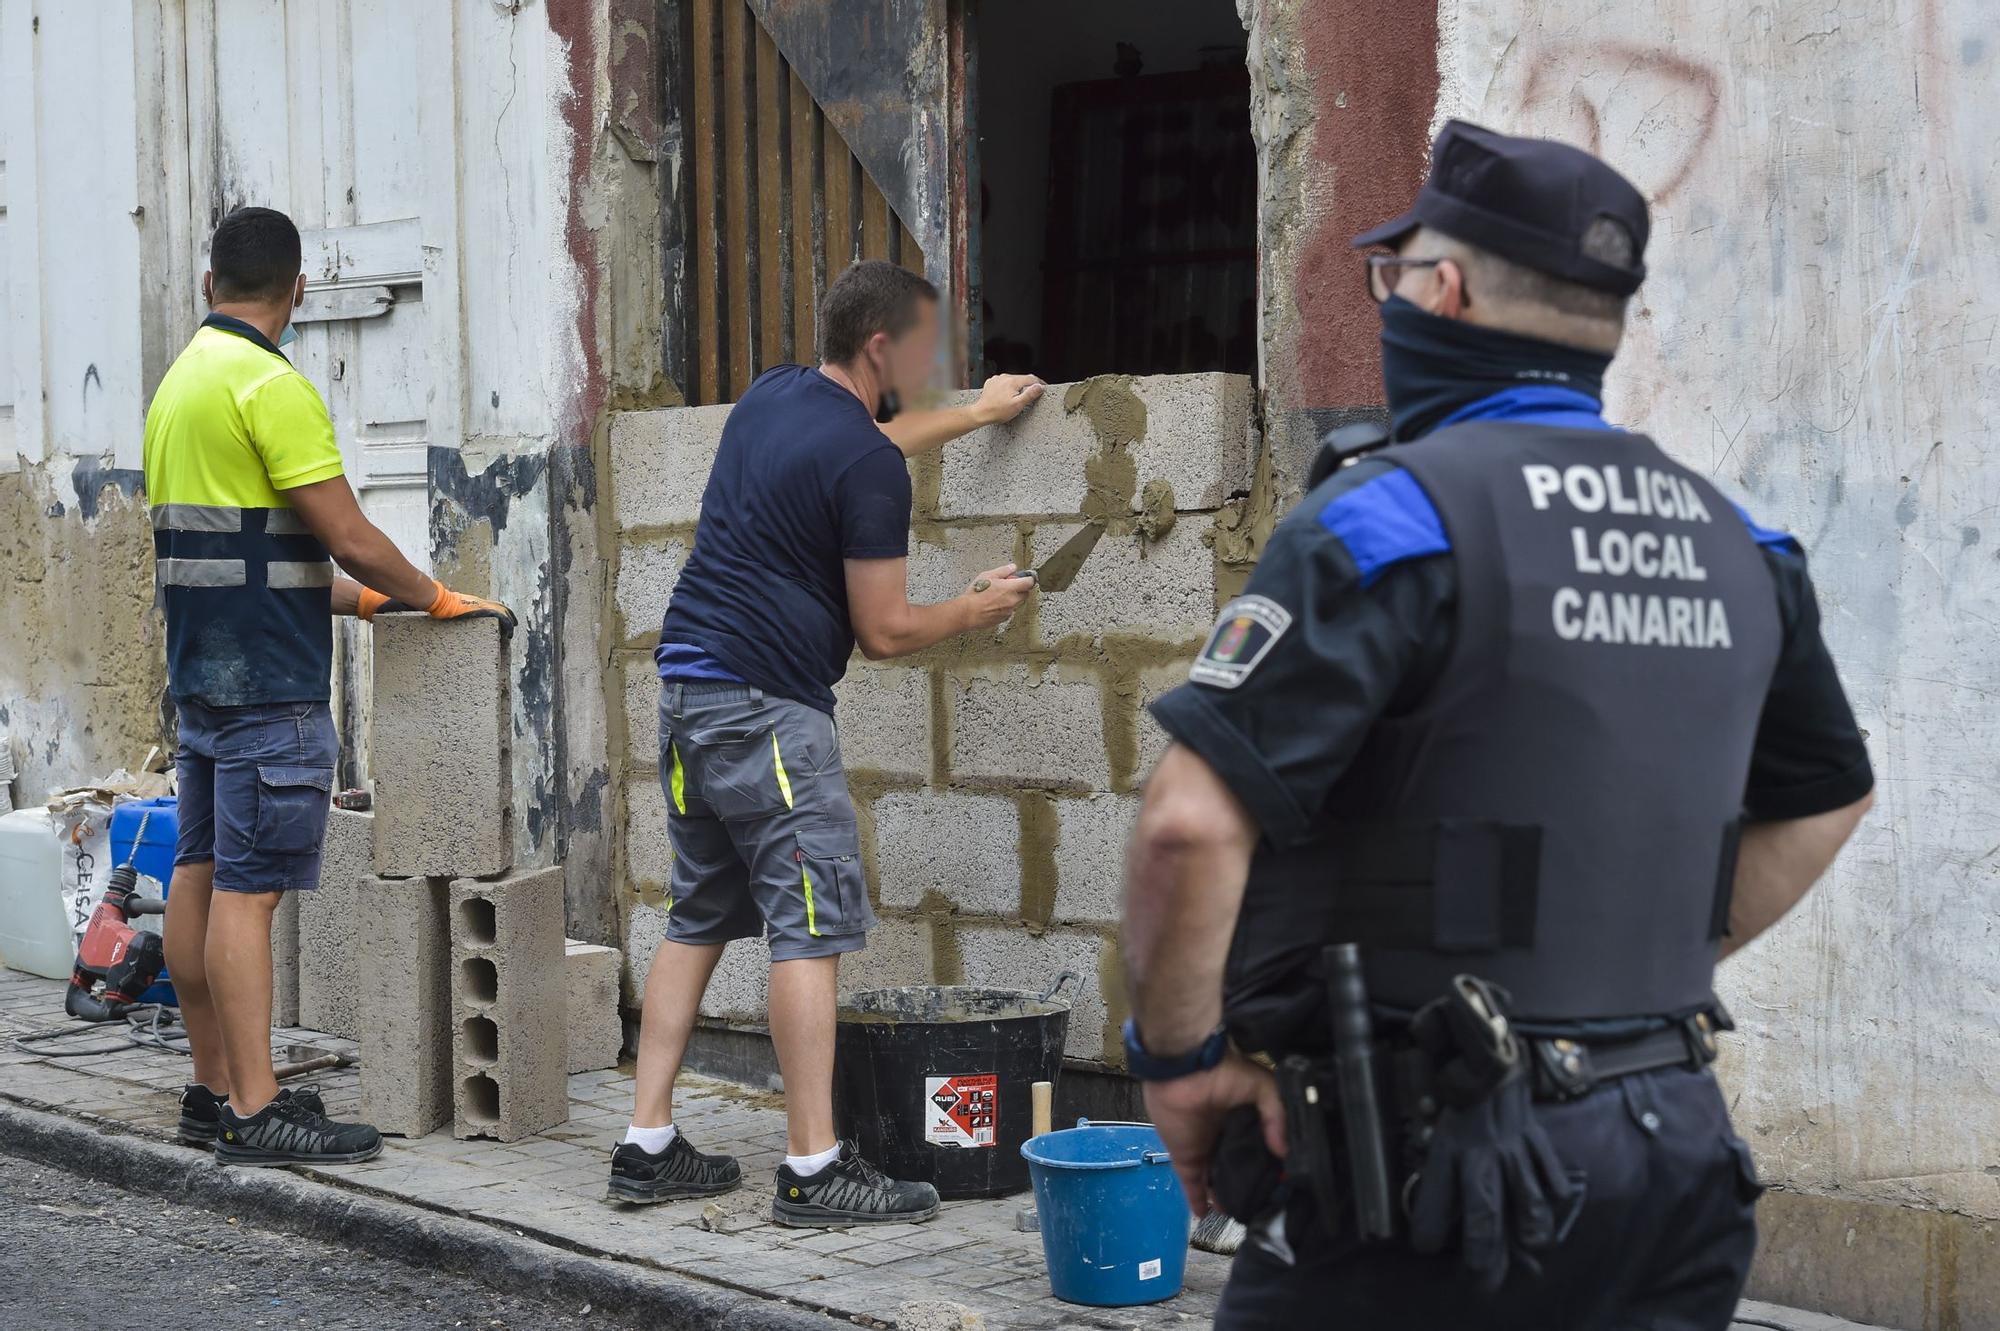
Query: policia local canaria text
x,y
1650,619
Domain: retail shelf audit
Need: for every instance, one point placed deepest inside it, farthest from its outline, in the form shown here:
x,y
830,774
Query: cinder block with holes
x,y
510,1027
438,745
403,939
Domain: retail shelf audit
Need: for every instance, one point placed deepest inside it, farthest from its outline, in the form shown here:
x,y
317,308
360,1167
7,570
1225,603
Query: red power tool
x,y
123,959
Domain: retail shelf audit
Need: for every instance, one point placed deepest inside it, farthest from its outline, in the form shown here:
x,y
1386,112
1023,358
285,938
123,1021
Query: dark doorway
x,y
1118,197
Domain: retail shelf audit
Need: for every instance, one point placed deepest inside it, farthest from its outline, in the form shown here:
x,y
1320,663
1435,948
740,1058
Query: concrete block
x,y
943,568
648,568
1028,726
884,716
898,953
438,748
1090,857
740,988
649,855
404,937
965,848
510,1025
285,961
329,983
1154,684
644,926
596,1032
640,686
1161,589
1195,436
1199,438
1007,956
660,462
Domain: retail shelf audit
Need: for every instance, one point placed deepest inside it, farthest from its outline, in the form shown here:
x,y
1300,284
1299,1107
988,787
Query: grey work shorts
x,y
762,828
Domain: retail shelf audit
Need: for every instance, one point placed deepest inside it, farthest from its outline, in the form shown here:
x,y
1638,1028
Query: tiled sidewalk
x,y
552,1186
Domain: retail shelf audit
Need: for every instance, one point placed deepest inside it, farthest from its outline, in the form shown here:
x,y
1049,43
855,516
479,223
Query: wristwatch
x,y
1153,1067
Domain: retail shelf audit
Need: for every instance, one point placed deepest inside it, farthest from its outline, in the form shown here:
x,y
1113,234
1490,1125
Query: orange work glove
x,y
447,605
457,605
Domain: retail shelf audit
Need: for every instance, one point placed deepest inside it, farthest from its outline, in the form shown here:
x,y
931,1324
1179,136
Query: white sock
x,y
805,1166
651,1140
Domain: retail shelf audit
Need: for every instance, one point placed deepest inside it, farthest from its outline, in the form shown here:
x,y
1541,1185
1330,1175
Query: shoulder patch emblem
x,y
1250,626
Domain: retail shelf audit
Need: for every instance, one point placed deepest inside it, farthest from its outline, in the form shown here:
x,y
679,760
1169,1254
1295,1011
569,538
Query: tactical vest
x,y
1560,814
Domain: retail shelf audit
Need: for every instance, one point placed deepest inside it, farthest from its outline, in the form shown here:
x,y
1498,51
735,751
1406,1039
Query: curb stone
x,y
408,1234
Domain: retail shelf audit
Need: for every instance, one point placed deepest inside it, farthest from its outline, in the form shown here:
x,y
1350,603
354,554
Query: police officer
x,y
1518,727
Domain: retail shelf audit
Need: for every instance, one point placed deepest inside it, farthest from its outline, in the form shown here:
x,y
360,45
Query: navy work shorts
x,y
255,787
1663,1244
764,835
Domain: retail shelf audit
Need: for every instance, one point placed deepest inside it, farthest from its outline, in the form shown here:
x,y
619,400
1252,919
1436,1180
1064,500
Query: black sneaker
x,y
292,1131
850,1191
201,1110
680,1171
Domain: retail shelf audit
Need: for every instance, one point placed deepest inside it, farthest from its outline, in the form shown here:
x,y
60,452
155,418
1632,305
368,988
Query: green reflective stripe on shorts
x,y
678,778
785,789
805,876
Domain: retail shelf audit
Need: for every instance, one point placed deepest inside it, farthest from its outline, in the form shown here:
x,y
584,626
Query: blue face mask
x,y
289,336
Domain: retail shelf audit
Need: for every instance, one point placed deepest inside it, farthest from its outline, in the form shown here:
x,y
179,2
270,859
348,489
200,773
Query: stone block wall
x,y
996,775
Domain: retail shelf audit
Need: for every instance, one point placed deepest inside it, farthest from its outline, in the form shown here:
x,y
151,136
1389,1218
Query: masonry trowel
x,y
1058,571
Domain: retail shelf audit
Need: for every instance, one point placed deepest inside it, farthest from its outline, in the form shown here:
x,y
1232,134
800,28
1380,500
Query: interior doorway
x,y
1117,197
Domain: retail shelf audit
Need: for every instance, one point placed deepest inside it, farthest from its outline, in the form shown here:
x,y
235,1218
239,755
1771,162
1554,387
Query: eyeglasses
x,y
1385,270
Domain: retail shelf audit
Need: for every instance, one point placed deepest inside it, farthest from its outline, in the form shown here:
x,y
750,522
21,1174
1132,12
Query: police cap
x,y
1528,200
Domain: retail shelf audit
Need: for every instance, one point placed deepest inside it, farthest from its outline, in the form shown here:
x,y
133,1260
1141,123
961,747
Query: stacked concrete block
x,y
944,845
660,462
329,974
740,988
404,938
898,954
510,1025
884,714
648,568
944,567
1004,956
1194,433
645,928
285,961
1162,589
1154,684
1091,835
439,748
1025,725
642,711
649,854
590,981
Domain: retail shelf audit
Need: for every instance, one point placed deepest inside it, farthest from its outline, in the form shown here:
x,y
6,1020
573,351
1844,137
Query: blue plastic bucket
x,y
160,820
1114,1219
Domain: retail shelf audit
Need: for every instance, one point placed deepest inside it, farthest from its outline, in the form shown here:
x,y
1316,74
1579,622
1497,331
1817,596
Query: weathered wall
x,y
1817,336
995,775
81,662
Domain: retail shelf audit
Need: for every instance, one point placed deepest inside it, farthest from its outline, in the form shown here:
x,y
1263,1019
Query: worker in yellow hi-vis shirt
x,y
250,509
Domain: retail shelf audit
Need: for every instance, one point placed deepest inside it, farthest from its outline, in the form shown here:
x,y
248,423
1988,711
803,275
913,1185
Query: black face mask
x,y
1432,366
886,409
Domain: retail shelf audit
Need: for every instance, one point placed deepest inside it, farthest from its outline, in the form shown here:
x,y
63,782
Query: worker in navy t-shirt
x,y
801,554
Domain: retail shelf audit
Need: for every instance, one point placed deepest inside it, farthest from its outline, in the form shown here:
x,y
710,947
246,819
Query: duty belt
x,y
1566,1069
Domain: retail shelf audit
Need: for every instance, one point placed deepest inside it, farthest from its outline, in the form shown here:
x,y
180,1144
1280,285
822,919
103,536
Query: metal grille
x,y
779,206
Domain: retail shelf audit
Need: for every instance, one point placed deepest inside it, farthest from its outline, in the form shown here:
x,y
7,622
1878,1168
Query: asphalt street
x,y
74,1253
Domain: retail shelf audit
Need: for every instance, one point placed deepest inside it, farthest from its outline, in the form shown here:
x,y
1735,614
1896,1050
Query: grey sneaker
x,y
850,1191
201,1110
289,1131
680,1171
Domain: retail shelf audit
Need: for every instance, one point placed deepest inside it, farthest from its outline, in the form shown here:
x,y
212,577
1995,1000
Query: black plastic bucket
x,y
933,1082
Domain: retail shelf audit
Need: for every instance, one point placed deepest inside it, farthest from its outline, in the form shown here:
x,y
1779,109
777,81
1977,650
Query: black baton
x,y
1360,1111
